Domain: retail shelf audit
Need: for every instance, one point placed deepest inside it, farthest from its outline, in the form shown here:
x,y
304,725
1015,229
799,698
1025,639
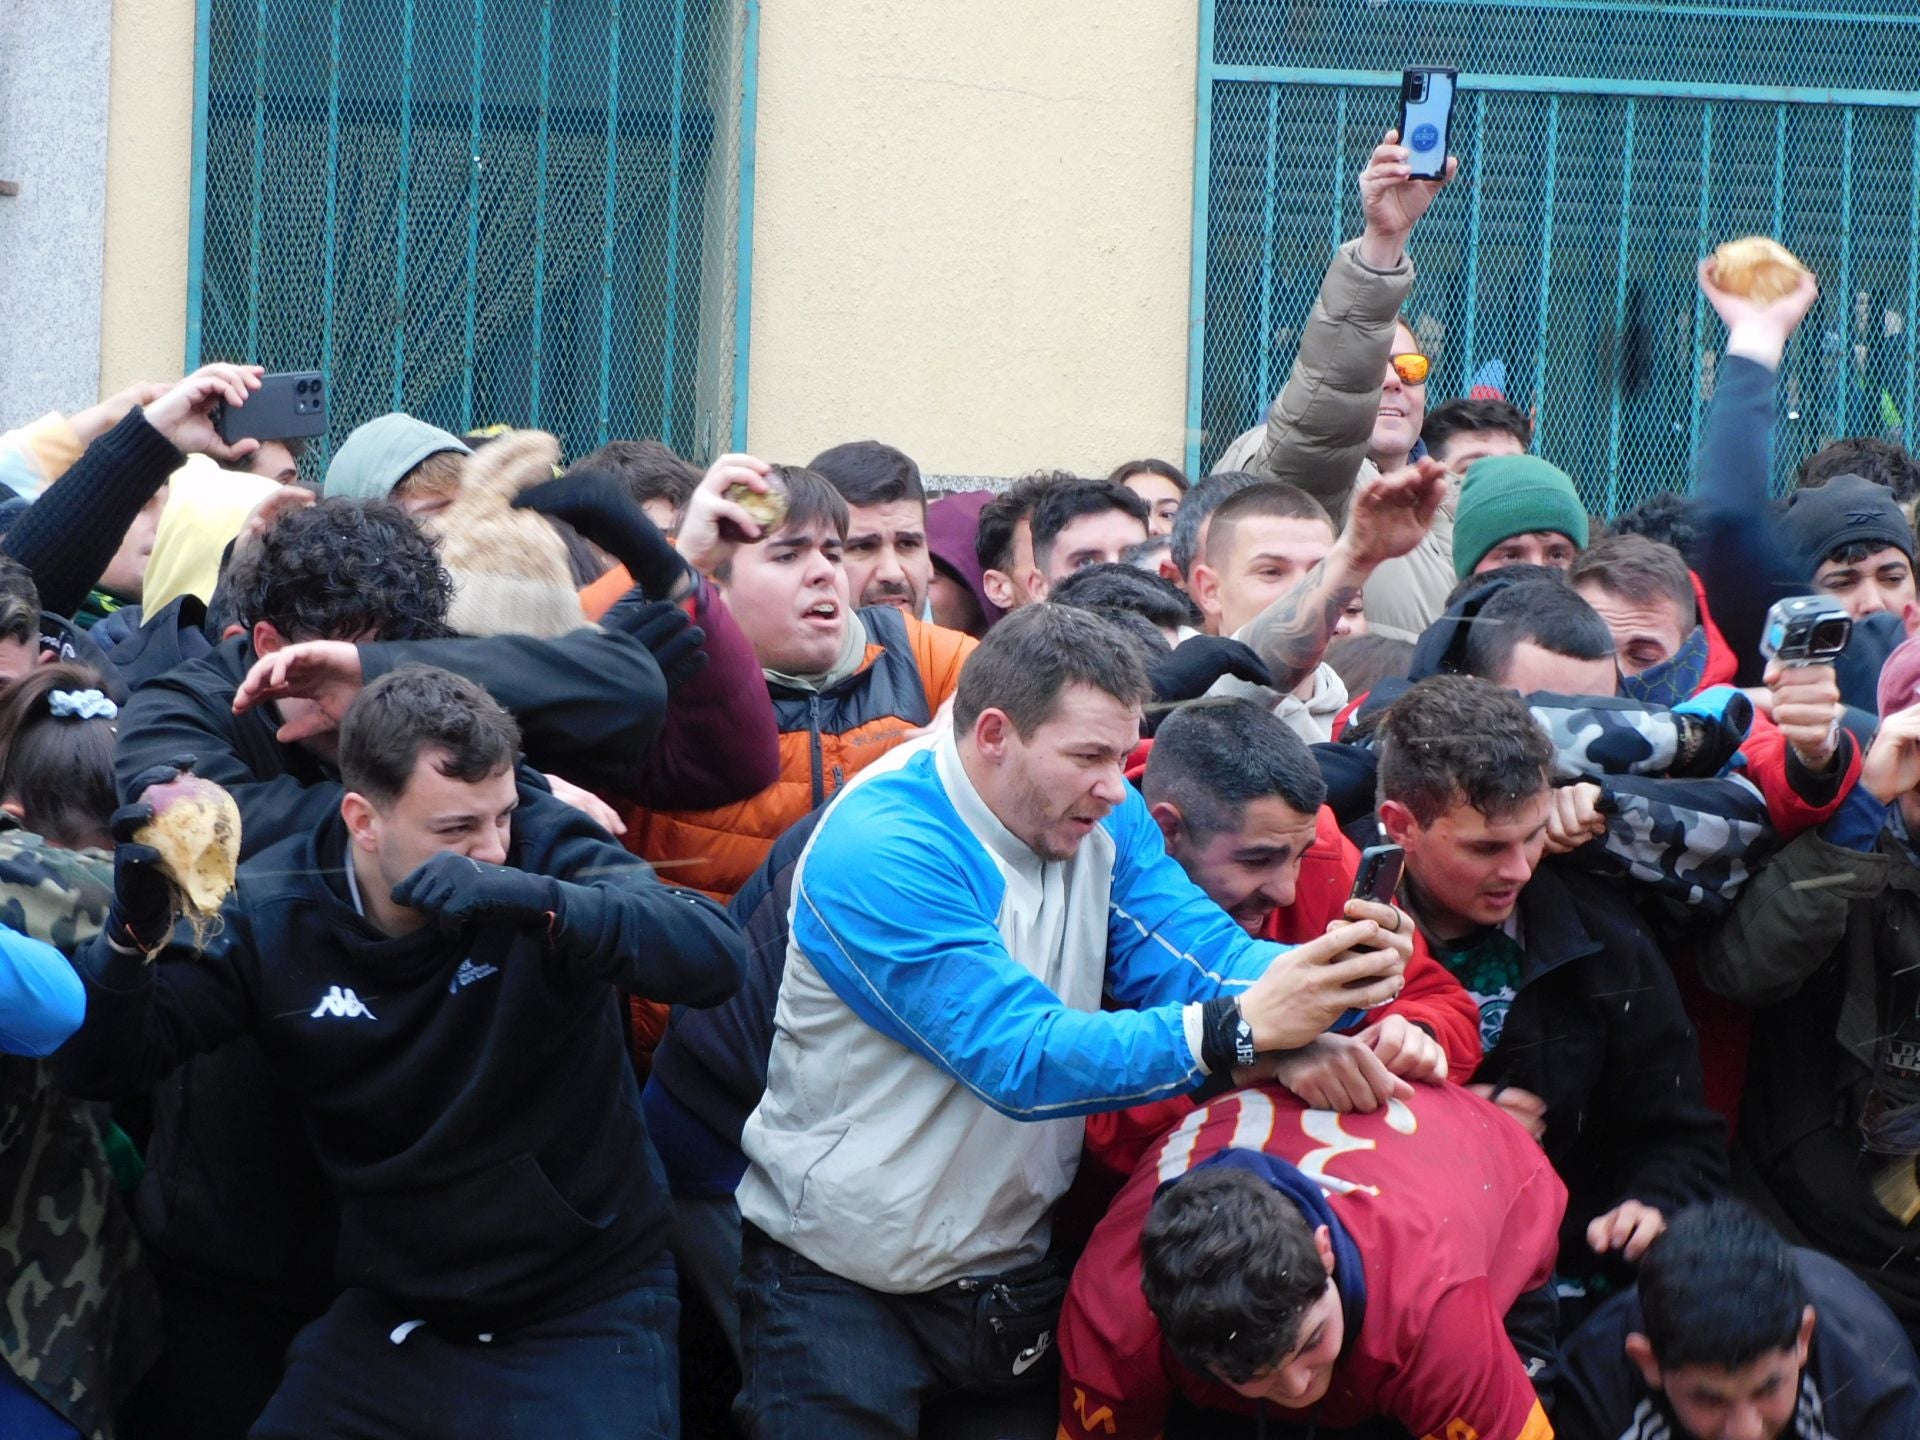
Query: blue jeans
x,y
609,1369
827,1359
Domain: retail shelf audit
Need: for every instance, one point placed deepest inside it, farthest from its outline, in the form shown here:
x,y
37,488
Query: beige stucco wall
x,y
972,230
143,319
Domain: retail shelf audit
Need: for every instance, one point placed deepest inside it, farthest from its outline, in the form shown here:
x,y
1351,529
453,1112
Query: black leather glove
x,y
143,903
458,890
601,508
678,645
1192,667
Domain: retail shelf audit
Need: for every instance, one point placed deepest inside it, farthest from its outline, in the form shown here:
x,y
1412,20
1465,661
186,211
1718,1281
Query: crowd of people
x,y
1350,944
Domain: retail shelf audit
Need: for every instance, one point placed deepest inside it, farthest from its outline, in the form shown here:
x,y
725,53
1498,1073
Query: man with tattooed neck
x,y
1274,575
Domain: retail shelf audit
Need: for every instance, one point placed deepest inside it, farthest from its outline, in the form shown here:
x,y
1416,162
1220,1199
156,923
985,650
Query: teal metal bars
x,y
400,207
474,162
534,213
1562,273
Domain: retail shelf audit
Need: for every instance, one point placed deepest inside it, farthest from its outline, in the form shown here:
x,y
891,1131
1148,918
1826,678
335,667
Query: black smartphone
x,y
288,406
1426,117
1379,873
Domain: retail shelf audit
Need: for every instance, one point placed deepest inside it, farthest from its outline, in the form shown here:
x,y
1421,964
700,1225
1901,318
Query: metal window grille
x,y
531,212
1604,149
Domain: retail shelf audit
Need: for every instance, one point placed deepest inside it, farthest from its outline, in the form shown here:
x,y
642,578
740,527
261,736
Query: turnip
x,y
1757,269
196,830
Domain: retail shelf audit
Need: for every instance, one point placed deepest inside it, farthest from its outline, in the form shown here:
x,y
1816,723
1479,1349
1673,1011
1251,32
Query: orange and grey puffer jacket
x,y
826,738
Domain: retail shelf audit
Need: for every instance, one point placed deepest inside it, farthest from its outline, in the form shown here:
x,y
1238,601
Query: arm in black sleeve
x,y
144,1020
589,702
68,536
171,717
613,920
1741,559
1670,1148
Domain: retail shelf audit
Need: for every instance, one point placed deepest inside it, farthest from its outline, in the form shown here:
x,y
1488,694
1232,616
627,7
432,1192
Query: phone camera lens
x,y
301,388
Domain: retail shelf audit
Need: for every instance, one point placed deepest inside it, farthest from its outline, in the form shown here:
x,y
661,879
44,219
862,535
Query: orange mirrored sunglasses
x,y
1412,368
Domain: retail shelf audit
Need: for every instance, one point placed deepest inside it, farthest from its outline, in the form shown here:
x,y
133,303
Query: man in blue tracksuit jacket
x,y
434,973
960,917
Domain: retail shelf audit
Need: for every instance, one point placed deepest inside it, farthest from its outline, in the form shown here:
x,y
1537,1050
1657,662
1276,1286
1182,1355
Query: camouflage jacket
x,y
80,1321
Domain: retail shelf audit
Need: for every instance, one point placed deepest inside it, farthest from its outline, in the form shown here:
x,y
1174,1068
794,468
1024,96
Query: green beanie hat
x,y
1506,495
377,456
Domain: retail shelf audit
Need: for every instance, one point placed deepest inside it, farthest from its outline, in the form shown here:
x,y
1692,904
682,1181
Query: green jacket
x,y
1824,942
79,1318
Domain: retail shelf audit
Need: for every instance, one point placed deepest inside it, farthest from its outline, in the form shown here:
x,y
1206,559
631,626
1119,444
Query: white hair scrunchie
x,y
81,705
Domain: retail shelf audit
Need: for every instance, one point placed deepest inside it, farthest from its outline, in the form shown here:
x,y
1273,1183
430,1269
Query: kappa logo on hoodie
x,y
342,1003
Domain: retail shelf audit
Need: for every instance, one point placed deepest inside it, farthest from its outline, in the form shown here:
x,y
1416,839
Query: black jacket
x,y
143,647
589,705
1860,1380
1596,1029
469,1096
713,1062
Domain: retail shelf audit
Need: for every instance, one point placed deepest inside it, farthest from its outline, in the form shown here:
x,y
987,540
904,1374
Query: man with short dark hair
x,y
1003,543
1463,431
886,554
1587,1045
1277,578
432,971
1239,801
1118,586
1730,1335
1270,1268
846,684
1194,519
1081,523
656,477
1871,459
957,919
1644,592
1538,635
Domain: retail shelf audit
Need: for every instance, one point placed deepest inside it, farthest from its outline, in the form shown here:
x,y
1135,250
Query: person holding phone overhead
x,y
960,914
1354,402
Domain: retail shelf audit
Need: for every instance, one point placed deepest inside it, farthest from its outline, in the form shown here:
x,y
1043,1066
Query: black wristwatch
x,y
1243,1051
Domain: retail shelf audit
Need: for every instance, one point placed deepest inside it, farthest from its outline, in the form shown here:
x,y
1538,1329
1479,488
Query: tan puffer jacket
x,y
1317,430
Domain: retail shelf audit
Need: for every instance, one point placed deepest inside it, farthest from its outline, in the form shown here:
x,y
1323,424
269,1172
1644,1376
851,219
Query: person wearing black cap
x,y
1858,542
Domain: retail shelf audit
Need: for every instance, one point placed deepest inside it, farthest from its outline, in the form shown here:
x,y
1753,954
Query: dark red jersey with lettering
x,y
1454,1211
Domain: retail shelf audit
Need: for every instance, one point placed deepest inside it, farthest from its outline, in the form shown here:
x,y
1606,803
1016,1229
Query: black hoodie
x,y
468,1096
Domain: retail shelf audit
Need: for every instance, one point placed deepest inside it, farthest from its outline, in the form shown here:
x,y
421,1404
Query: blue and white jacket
x,y
939,1031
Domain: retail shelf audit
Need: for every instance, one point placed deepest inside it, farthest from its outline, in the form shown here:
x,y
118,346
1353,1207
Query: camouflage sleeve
x,y
1691,841
1593,738
59,896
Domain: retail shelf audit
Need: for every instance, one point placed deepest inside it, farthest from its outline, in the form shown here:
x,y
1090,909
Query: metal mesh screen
x,y
478,211
1604,149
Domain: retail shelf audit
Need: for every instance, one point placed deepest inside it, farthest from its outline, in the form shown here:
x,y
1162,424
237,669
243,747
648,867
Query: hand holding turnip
x,y
178,847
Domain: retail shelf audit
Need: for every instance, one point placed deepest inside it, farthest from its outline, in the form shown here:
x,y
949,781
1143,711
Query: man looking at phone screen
x,y
961,913
1240,804
1587,1045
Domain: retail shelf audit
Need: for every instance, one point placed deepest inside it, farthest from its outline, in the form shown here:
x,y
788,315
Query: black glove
x,y
143,901
601,508
678,645
1191,668
458,890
